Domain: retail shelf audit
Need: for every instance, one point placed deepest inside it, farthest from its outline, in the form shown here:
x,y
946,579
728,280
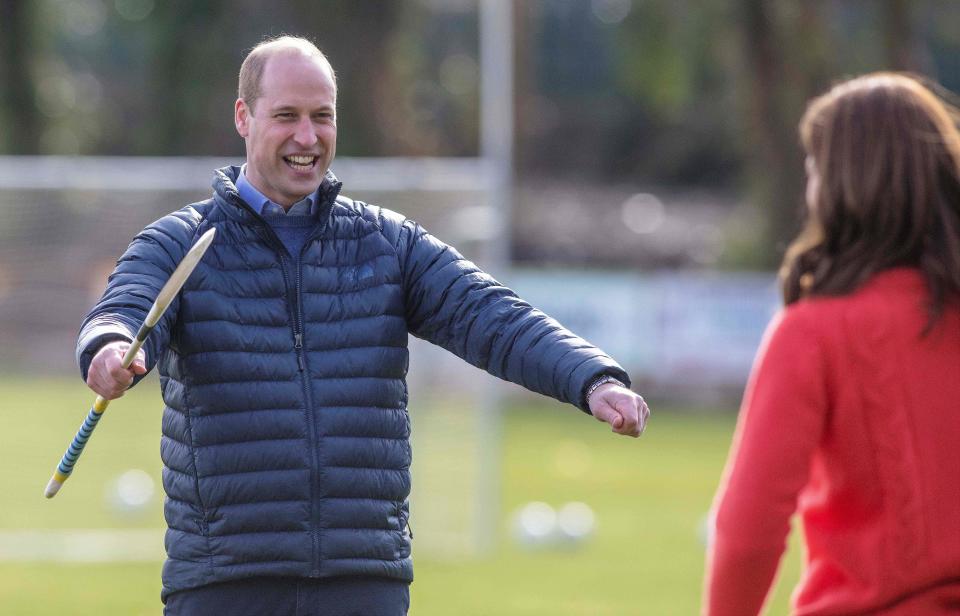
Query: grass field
x,y
649,496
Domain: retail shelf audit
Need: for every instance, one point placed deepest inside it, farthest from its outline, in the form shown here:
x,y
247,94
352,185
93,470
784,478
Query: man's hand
x,y
625,411
106,375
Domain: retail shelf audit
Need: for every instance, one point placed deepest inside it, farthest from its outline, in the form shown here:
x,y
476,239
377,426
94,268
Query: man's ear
x,y
241,117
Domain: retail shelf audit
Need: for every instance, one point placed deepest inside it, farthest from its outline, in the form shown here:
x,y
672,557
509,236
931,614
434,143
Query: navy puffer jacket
x,y
285,434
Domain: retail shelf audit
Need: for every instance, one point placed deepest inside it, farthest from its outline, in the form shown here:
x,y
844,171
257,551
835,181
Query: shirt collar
x,y
265,207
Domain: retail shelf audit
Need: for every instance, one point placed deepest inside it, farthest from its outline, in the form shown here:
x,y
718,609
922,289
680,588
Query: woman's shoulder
x,y
896,296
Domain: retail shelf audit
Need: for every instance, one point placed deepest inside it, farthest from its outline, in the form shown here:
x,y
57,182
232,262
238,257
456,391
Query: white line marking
x,y
106,545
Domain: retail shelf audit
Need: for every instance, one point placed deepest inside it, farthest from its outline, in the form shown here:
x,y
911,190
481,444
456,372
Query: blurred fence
x,y
689,336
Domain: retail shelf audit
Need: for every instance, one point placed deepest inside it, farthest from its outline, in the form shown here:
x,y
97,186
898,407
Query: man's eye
x,y
285,115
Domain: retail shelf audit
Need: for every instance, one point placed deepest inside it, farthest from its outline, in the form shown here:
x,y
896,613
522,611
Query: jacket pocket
x,y
403,514
404,534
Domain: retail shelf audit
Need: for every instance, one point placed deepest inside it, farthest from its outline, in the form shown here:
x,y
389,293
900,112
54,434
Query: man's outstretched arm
x,y
452,303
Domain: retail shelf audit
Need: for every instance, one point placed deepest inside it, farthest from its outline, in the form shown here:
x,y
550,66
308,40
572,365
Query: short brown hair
x,y
887,151
251,71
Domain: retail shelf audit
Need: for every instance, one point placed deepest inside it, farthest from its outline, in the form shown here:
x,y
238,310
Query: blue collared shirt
x,y
265,207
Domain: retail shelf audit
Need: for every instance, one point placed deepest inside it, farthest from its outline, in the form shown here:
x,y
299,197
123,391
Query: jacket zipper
x,y
311,414
295,299
295,302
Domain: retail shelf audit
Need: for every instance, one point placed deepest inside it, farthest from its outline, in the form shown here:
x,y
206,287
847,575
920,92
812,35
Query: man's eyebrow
x,y
278,108
289,107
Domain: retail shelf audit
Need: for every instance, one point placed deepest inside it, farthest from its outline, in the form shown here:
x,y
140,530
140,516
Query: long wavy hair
x,y
887,152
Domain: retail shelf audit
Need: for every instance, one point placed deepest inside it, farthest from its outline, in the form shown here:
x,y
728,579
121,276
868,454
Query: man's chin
x,y
299,180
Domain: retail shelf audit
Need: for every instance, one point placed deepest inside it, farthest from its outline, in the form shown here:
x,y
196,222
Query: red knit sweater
x,y
852,420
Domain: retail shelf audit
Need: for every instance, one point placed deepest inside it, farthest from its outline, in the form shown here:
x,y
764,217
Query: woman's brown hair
x,y
887,152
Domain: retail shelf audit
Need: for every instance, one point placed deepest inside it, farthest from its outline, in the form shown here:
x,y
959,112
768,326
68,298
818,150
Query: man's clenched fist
x,y
625,411
107,376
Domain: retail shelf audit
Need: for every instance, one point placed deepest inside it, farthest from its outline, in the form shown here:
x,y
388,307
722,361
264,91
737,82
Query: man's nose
x,y
304,134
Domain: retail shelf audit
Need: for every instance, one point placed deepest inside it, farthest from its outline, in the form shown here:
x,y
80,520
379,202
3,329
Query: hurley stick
x,y
166,295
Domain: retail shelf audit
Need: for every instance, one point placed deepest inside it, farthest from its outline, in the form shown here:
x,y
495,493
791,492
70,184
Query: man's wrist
x,y
595,385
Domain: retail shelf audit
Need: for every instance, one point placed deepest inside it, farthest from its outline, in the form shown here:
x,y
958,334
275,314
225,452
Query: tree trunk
x,y
782,74
898,35
19,118
765,158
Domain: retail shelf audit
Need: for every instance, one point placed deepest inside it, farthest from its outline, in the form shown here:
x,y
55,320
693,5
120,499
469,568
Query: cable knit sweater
x,y
852,419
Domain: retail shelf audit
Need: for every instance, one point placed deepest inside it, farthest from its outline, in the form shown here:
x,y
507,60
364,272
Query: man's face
x,y
291,133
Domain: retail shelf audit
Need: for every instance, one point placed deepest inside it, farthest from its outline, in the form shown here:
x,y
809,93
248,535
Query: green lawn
x,y
649,496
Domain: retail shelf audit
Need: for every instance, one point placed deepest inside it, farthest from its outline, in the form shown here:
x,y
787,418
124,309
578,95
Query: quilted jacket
x,y
285,439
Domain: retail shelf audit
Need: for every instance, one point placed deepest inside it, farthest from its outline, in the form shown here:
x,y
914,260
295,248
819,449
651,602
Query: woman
x,y
851,417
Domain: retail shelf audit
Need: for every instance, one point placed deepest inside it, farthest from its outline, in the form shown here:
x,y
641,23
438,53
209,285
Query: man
x,y
282,362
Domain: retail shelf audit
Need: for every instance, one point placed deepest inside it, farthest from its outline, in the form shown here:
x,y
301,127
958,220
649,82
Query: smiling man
x,y
283,360
287,113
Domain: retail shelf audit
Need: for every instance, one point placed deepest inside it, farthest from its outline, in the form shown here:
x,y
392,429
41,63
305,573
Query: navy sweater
x,y
292,231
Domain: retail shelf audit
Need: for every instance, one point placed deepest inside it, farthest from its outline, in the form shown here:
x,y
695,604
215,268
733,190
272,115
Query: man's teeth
x,y
305,161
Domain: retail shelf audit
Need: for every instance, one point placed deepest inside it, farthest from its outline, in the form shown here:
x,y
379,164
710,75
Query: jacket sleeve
x,y
452,303
781,422
133,286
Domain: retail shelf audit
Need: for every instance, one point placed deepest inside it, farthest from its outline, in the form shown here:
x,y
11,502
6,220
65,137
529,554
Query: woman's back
x,y
851,419
882,507
852,414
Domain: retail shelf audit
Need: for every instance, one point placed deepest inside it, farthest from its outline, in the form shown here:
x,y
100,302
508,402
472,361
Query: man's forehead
x,y
298,84
293,60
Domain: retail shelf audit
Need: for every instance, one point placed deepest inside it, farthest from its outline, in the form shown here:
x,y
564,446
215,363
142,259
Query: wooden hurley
x,y
166,295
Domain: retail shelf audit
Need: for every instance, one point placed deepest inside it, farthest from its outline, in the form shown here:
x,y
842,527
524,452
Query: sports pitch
x,y
645,556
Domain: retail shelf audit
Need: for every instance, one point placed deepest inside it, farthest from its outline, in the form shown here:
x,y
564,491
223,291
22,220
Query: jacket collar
x,y
225,188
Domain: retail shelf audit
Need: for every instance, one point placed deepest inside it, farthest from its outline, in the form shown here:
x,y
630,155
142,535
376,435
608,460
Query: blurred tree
x,y
185,59
790,52
428,100
191,73
640,88
685,93
899,35
782,68
357,36
674,61
19,117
